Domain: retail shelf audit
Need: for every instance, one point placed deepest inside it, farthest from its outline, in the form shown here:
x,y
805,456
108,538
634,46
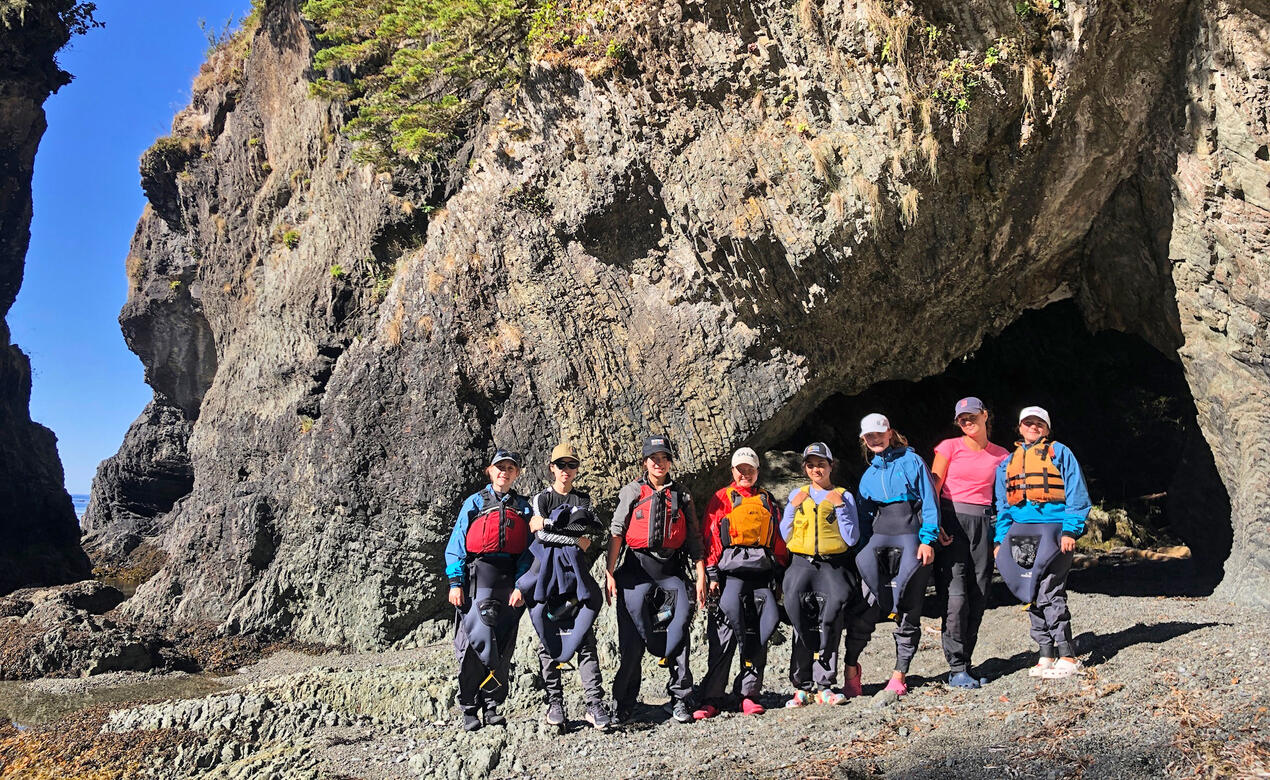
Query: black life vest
x,y
497,527
657,519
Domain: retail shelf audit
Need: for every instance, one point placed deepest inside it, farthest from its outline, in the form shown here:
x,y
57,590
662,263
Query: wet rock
x,y
64,632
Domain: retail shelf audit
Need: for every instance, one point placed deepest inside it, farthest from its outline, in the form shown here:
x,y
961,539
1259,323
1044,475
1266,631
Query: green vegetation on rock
x,y
418,71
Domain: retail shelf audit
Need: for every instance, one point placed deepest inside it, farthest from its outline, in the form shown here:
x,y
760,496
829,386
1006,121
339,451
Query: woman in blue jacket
x,y
900,514
1041,484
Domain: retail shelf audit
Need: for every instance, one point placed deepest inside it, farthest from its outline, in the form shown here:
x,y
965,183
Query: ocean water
x,y
81,504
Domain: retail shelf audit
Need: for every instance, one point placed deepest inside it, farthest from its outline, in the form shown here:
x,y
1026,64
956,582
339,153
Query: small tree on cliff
x,y
426,65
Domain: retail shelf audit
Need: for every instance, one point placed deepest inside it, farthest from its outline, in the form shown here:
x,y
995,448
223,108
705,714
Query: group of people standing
x,y
829,563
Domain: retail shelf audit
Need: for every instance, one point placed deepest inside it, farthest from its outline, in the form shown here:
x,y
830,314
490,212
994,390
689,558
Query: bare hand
x,y
834,498
456,597
584,543
996,548
714,589
610,588
516,599
1067,545
799,497
701,591
944,538
536,523
925,554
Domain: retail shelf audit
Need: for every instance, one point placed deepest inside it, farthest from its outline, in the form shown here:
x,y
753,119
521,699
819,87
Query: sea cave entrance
x,y
1122,406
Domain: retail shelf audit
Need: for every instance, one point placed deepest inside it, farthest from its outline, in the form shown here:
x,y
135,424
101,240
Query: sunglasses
x,y
567,464
966,419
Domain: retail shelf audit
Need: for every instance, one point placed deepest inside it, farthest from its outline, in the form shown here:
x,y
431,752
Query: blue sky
x,y
130,79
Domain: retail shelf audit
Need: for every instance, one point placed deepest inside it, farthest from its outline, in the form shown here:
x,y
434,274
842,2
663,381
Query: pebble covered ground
x,y
1175,685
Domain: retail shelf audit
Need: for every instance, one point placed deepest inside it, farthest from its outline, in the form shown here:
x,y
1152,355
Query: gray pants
x,y
588,667
724,640
908,631
1051,622
963,570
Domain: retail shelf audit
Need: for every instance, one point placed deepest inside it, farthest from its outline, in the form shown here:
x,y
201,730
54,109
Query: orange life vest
x,y
1032,475
749,524
657,519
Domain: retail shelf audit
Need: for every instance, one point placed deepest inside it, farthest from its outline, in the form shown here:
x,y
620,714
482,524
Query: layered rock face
x,y
758,211
37,520
1220,249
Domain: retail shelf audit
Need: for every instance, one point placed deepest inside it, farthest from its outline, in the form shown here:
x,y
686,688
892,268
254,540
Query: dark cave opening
x,y
1123,407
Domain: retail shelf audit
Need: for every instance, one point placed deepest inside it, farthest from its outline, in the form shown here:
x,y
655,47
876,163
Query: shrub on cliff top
x,y
424,67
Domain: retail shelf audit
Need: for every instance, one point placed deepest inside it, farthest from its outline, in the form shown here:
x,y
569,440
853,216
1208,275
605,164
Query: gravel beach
x,y
1175,685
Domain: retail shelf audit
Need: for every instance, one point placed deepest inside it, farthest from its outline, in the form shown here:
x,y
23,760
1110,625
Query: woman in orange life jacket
x,y
743,552
1041,483
487,551
656,524
899,511
964,471
819,527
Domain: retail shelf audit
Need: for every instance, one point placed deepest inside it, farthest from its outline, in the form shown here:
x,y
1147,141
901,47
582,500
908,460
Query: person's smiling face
x,y
1033,429
972,424
657,465
818,470
744,475
502,474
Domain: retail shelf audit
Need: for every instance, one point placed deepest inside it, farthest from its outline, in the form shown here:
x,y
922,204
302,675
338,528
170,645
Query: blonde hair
x,y
897,440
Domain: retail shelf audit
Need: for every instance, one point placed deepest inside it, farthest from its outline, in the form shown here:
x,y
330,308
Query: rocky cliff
x,y
37,521
756,207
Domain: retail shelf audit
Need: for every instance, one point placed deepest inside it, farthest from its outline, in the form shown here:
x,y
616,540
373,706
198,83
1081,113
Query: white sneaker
x,y
1042,666
1062,668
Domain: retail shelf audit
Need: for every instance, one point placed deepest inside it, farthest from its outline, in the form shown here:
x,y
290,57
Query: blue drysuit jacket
x,y
899,474
456,549
1071,513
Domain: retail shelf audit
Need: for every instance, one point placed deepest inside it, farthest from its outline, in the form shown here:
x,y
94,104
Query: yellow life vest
x,y
815,530
749,524
1032,475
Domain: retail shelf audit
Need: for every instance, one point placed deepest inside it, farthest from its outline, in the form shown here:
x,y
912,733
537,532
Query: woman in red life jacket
x,y
487,551
743,552
656,525
964,470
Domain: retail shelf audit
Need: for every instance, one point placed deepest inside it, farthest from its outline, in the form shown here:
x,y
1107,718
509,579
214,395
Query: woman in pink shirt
x,y
964,470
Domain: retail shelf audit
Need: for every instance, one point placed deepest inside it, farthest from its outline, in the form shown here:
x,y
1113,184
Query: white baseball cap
x,y
745,455
874,423
1034,411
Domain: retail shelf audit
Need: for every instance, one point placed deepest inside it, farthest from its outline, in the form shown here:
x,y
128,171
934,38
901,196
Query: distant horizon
x,y
87,387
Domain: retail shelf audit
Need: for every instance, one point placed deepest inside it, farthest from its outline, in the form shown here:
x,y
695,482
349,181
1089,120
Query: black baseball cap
x,y
501,455
817,448
656,444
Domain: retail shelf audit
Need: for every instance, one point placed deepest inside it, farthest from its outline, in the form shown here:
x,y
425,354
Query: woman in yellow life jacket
x,y
819,526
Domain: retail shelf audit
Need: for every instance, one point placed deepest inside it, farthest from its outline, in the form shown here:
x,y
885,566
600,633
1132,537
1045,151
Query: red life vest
x,y
657,519
749,524
1032,475
497,528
